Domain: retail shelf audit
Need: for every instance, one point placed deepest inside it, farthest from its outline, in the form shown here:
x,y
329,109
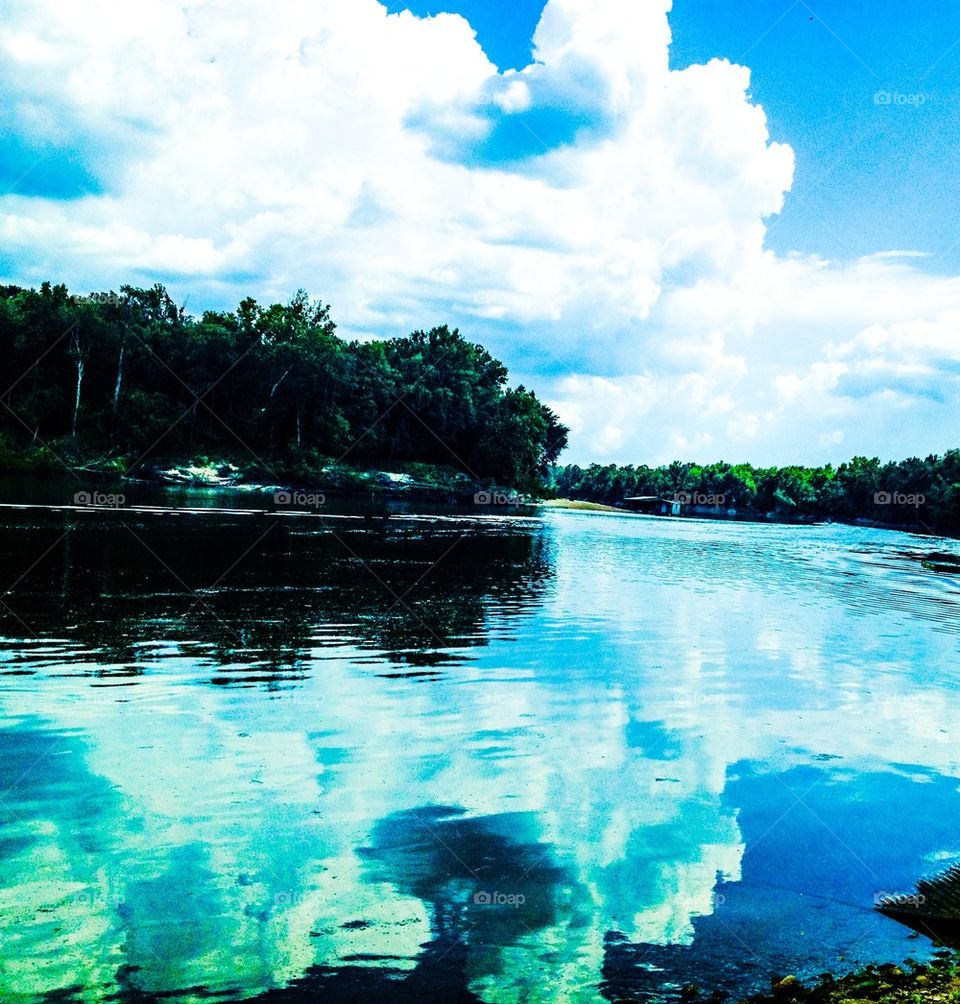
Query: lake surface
x,y
568,758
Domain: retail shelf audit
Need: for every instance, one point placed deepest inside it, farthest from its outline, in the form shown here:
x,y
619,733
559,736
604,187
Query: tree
x,y
135,375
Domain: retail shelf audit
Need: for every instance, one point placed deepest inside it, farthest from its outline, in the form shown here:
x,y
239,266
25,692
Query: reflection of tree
x,y
446,859
719,961
255,597
453,862
360,985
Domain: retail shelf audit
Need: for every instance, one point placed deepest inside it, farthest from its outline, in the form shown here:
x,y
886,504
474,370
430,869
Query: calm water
x,y
575,758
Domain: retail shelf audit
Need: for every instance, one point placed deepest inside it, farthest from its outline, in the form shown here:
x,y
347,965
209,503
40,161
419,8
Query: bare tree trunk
x,y
118,384
298,425
276,386
76,405
80,359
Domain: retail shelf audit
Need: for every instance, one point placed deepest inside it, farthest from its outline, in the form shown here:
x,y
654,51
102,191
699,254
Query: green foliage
x,y
132,375
847,493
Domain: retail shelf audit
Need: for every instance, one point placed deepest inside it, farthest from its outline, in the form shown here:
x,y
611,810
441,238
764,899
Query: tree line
x,y
131,379
918,492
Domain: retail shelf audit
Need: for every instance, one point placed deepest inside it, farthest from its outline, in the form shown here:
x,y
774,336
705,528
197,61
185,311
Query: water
x,y
575,758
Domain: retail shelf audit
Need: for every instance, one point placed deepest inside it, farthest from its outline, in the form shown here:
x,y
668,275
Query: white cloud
x,y
596,214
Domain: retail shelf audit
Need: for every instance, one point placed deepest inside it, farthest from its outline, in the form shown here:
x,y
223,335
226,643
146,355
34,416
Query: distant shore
x,y
576,505
747,517
430,484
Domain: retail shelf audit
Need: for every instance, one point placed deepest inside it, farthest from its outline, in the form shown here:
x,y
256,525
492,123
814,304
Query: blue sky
x,y
867,176
699,230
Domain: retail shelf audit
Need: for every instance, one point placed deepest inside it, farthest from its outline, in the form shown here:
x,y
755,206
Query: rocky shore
x,y
937,981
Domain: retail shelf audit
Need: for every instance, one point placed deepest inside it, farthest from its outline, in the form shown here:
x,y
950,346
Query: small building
x,y
652,505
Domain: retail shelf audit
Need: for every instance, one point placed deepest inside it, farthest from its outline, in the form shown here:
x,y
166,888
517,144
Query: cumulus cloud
x,y
596,218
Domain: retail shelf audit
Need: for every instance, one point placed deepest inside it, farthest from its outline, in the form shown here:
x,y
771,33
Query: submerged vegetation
x,y
915,492
130,382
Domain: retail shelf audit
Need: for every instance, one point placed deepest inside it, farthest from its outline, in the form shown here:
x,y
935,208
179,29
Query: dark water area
x,y
471,756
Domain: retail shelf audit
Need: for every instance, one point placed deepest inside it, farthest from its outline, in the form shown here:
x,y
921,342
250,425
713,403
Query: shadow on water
x,y
256,595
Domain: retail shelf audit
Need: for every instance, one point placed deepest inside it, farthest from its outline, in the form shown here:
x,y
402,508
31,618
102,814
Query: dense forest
x,y
128,380
915,492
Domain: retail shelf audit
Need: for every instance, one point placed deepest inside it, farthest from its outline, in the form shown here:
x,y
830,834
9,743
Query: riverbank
x,y
433,483
694,513
762,518
937,981
911,494
577,506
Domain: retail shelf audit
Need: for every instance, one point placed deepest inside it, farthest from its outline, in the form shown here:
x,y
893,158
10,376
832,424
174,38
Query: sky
x,y
699,231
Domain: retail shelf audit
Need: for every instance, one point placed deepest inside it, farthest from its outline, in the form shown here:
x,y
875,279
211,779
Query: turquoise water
x,y
568,758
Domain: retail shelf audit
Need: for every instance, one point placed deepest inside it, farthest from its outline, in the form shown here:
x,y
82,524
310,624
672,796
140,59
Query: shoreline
x,y
428,483
574,505
937,981
752,518
431,485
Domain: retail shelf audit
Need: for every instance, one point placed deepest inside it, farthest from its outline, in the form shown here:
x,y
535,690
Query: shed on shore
x,y
652,505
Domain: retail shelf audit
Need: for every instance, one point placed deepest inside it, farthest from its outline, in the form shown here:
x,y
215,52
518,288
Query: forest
x,y
128,381
924,493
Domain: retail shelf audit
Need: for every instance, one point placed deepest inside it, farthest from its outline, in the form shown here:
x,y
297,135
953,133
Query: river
x,y
478,757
